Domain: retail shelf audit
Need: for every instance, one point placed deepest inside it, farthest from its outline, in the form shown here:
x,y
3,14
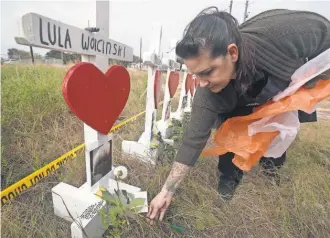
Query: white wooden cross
x,y
80,205
185,96
191,94
163,125
145,148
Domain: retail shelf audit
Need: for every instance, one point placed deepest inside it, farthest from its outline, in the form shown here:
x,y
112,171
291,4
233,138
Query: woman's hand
x,y
159,205
162,201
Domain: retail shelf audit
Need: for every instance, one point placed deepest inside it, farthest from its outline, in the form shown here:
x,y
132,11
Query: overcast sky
x,y
132,19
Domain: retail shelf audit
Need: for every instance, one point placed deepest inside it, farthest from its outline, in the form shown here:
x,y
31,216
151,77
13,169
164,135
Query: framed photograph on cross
x,y
98,160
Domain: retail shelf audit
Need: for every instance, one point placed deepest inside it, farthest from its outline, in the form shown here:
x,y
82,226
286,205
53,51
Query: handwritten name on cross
x,y
47,33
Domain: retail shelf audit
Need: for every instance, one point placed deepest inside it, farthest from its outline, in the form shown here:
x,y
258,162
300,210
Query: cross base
x,y
165,129
187,110
140,151
80,205
178,115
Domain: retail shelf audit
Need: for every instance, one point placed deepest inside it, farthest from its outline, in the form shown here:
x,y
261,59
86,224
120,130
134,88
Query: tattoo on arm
x,y
177,174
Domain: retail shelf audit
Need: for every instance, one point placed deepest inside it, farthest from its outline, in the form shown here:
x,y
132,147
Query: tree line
x,y
16,54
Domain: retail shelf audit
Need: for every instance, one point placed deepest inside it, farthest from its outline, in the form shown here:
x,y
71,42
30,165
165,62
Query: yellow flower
x,y
154,145
100,191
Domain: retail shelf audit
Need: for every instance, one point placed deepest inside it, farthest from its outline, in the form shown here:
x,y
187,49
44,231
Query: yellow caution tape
x,y
17,188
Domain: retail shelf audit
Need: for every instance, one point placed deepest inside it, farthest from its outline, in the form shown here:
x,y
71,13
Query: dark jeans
x,y
226,166
230,171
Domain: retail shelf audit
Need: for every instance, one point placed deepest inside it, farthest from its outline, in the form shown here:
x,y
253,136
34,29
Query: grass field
x,y
37,127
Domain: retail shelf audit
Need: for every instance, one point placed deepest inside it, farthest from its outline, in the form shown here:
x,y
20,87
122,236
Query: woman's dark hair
x,y
214,30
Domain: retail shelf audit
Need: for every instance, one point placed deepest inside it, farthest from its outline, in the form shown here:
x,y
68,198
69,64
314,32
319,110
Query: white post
x,y
189,101
150,58
91,135
185,95
191,92
145,149
167,98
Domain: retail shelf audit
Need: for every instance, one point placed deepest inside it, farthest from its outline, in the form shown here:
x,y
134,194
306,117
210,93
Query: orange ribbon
x,y
233,136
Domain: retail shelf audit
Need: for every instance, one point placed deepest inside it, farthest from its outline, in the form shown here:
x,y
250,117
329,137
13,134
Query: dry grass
x,y
325,104
37,127
298,208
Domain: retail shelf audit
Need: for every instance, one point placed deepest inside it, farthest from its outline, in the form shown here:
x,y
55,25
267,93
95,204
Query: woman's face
x,y
214,73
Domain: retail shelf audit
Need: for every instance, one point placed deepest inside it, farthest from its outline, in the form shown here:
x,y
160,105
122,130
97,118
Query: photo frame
x,y
99,161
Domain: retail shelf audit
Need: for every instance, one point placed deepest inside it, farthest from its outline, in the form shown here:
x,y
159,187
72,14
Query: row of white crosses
x,y
80,205
145,149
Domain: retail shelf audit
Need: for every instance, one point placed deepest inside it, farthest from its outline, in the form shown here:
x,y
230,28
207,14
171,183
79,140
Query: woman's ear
x,y
232,50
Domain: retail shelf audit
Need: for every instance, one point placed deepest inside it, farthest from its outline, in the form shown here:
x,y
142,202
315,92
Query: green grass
x,y
28,90
34,117
37,127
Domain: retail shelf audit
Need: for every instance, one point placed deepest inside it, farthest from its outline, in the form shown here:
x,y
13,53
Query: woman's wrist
x,y
177,174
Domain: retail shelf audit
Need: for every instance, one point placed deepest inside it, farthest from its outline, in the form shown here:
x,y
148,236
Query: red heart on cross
x,y
192,87
94,97
157,87
189,81
196,82
173,82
